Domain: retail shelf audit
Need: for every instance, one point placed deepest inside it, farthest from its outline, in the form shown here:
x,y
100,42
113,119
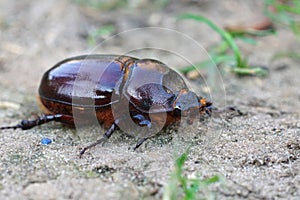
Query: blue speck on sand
x,y
46,141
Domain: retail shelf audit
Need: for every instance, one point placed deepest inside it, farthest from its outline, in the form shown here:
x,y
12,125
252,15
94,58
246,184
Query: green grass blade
x,y
225,35
258,71
212,180
207,63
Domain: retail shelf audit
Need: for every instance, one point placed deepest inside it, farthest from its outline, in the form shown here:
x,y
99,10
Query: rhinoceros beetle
x,y
148,87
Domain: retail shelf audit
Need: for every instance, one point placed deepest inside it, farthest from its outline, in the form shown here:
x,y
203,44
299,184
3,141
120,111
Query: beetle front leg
x,y
140,142
104,138
142,122
28,124
228,109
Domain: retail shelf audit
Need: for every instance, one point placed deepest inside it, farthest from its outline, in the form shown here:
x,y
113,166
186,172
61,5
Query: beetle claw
x,y
100,141
140,142
104,138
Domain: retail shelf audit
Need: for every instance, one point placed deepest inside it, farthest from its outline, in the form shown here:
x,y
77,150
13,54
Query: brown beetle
x,y
118,89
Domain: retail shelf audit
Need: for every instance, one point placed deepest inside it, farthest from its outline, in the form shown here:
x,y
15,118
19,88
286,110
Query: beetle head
x,y
188,104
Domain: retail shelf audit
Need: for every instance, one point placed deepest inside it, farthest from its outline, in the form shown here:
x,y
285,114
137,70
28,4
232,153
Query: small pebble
x,y
46,141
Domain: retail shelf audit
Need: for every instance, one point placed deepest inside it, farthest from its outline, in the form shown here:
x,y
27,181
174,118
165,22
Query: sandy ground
x,y
257,154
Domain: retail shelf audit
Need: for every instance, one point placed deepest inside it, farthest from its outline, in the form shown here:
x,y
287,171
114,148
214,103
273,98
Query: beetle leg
x,y
233,109
28,124
140,142
142,120
104,138
227,109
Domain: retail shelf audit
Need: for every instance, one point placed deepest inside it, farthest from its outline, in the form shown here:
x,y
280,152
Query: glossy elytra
x,y
148,86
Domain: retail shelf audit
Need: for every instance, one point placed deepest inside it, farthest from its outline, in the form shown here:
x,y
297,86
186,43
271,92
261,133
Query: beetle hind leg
x,y
28,124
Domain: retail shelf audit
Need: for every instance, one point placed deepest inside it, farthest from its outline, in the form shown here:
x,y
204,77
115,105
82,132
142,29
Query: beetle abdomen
x,y
85,81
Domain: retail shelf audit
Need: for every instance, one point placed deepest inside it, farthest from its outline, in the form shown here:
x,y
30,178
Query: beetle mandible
x,y
121,77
